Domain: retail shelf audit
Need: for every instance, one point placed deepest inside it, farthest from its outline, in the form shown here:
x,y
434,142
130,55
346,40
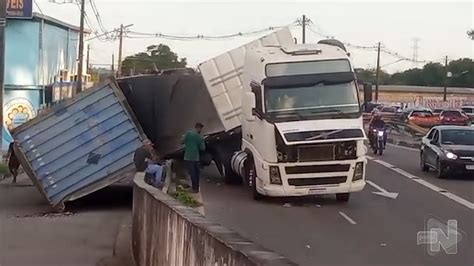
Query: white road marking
x,y
349,219
381,191
402,147
427,184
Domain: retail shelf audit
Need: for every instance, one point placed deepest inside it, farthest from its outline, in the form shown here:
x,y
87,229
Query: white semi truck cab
x,y
292,117
302,129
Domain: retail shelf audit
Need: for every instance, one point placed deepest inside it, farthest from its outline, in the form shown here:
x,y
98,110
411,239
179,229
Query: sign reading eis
x,y
19,9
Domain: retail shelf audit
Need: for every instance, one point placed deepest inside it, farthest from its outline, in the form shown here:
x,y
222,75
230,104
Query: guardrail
x,y
165,232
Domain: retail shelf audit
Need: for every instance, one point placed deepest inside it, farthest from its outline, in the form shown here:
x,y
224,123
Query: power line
x,y
97,16
144,35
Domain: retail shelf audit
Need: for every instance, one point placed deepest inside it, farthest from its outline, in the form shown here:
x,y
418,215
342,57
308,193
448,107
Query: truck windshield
x,y
320,99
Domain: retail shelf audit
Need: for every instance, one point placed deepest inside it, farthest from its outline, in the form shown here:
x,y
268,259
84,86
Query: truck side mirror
x,y
248,105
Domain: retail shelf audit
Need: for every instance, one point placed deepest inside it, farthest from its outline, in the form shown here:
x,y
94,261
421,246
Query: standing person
x,y
13,163
146,161
193,145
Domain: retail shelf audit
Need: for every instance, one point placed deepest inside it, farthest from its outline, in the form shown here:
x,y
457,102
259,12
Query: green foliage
x,y
3,169
156,57
470,34
432,74
184,197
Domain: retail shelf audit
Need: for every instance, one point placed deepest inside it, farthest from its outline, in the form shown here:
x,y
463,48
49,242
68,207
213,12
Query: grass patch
x,y
184,197
3,169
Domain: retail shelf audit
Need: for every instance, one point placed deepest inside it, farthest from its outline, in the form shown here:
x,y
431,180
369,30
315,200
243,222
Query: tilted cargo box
x,y
79,146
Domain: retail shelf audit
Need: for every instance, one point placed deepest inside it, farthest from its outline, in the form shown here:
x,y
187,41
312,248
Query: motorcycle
x,y
378,143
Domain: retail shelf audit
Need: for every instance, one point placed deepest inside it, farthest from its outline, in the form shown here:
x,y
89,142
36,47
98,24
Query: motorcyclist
x,y
376,123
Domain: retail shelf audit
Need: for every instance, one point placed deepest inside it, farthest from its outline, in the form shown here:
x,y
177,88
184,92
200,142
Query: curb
x,y
414,145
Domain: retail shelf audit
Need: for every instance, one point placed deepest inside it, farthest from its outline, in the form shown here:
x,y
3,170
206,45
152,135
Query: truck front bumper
x,y
316,178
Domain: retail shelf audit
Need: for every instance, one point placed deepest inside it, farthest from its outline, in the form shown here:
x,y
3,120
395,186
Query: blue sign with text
x,y
20,9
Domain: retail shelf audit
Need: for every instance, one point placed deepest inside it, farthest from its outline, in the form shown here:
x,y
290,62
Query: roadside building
x,y
40,53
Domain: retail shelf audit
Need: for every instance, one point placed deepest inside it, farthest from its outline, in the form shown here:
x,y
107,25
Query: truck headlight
x,y
275,177
358,171
451,155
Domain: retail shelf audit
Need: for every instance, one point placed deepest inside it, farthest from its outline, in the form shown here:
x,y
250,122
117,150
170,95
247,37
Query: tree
x,y
471,34
155,58
368,76
432,74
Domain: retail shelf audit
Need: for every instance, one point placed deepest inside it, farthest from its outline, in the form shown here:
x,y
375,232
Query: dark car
x,y
454,117
448,150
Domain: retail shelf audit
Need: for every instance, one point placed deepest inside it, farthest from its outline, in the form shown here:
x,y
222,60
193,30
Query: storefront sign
x,y
17,112
20,9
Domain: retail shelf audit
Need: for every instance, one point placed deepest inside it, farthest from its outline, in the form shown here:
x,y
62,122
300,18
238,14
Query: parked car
x,y
389,110
423,118
454,117
469,110
407,111
448,150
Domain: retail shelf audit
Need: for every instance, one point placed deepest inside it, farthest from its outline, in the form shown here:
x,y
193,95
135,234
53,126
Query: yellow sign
x,y
17,112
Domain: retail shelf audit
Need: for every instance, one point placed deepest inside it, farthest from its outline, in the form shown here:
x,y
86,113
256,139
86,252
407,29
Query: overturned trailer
x,y
80,145
170,103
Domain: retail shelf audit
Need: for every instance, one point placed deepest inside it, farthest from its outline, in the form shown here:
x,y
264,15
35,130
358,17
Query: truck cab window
x,y
257,90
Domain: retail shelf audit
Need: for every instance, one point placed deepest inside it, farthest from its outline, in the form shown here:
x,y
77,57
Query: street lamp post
x,y
448,76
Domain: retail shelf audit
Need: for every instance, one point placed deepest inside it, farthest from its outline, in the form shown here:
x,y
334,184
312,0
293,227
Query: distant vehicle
x,y
454,117
378,144
407,111
469,110
423,118
389,109
448,150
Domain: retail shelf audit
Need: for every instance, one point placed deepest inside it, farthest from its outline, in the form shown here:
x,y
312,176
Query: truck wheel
x,y
343,197
222,161
251,177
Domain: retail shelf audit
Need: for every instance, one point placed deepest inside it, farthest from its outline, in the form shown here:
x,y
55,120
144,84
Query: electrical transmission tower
x,y
416,46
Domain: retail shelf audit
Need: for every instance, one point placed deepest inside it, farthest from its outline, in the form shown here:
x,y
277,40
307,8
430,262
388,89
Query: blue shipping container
x,y
80,145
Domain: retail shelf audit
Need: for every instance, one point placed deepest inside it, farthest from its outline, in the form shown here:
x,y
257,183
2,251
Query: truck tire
x,y
251,178
343,197
223,163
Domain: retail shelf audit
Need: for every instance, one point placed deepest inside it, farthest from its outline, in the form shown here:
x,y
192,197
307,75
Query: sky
x,y
439,26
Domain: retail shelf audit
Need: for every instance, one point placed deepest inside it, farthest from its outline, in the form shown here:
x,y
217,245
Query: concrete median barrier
x,y
167,233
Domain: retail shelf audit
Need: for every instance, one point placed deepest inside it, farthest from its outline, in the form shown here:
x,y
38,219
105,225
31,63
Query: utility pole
x,y
113,67
377,74
119,64
81,48
445,79
303,23
3,23
87,58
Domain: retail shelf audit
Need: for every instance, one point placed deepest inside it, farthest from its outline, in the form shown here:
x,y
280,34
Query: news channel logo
x,y
440,237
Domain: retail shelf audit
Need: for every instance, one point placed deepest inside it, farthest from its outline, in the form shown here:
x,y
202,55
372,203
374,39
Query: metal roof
x,y
53,21
81,145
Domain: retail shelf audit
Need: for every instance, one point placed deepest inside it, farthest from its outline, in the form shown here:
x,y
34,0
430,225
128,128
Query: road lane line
x,y
427,184
375,185
349,219
402,147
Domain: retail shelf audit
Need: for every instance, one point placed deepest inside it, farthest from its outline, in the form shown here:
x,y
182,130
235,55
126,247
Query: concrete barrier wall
x,y
166,233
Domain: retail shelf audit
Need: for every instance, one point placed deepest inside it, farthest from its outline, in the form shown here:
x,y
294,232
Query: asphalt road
x,y
369,230
31,234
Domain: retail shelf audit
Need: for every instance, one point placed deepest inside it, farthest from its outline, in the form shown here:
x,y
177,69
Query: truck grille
x,y
309,169
316,181
316,153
